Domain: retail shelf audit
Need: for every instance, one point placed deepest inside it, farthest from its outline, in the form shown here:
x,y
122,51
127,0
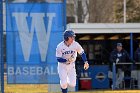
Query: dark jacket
x,y
137,55
123,56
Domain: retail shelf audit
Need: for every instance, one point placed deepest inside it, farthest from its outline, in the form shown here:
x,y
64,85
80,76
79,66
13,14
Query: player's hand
x,y
86,65
117,60
71,59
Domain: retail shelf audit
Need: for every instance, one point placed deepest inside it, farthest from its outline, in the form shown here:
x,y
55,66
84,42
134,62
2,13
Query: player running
x,y
66,53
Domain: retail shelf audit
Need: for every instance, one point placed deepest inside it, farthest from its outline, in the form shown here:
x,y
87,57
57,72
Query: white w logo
x,y
37,24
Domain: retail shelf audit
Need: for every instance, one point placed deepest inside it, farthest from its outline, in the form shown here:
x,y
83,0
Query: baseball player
x,y
66,53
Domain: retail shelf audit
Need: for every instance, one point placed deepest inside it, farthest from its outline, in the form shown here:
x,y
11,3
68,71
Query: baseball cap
x,y
119,44
68,33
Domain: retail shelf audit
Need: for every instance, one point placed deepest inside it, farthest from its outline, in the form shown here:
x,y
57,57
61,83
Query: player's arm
x,y
84,58
81,52
83,55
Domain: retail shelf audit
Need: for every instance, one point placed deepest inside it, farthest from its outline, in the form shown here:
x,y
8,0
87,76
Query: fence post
x,y
1,46
114,75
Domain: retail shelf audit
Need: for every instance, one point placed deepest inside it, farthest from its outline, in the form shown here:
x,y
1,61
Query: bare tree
x,y
101,11
132,11
85,15
93,11
81,10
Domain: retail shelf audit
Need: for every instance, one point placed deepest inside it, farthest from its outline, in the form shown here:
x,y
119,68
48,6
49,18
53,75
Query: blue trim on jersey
x,y
62,60
83,55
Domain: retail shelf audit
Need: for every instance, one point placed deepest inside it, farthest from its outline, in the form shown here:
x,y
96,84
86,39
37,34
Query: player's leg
x,y
62,71
72,75
119,78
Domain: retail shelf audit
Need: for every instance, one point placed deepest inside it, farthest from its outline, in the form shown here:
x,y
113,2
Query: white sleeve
x,y
80,50
58,52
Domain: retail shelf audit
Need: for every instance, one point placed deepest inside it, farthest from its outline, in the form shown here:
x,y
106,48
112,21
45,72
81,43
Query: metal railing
x,y
114,70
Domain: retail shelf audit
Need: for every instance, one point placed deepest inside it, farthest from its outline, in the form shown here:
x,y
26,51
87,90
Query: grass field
x,y
25,88
42,88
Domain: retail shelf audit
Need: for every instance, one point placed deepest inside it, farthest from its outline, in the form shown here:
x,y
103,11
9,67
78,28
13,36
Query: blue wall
x,y
33,32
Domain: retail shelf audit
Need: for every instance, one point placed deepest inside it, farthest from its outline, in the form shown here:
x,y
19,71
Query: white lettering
x,y
10,71
32,70
26,35
18,71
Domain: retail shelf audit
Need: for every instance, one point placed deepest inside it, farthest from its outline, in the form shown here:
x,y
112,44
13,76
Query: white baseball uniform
x,y
67,72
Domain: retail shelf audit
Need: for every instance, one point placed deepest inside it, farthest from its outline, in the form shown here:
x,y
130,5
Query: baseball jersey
x,y
66,52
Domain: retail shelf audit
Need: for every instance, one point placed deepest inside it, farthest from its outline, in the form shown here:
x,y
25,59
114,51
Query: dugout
x,y
98,40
